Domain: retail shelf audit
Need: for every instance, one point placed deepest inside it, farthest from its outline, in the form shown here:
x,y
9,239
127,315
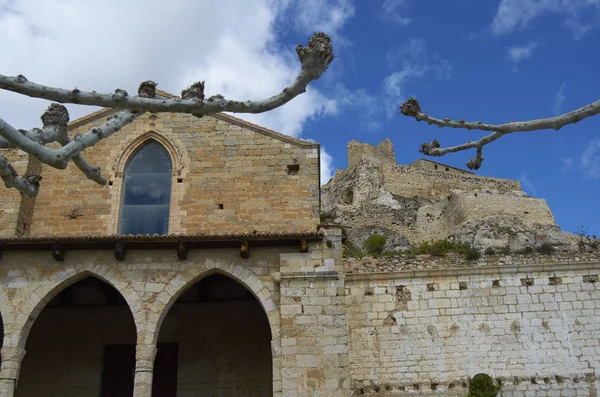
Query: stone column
x,y
144,369
9,374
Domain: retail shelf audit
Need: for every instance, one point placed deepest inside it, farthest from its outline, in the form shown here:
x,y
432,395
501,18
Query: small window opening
x,y
435,166
292,169
179,180
220,206
447,169
110,183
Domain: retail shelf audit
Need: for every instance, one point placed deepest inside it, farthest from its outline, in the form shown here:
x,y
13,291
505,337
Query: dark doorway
x,y
224,340
119,371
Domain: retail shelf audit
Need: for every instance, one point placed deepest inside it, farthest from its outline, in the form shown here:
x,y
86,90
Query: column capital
x,y
144,357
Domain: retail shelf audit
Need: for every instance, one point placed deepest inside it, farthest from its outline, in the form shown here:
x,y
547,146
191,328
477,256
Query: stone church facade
x,y
185,275
202,269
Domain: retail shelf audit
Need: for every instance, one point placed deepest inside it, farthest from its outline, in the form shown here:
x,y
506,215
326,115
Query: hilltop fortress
x,y
427,200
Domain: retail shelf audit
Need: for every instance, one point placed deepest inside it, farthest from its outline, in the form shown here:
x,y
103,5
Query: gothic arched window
x,y
147,191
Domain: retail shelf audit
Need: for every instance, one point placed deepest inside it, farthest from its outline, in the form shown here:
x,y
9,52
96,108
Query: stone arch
x,y
179,284
131,147
46,294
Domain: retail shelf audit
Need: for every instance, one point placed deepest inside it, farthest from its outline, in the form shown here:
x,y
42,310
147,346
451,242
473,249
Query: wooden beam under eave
x,y
58,252
245,250
120,251
303,246
182,251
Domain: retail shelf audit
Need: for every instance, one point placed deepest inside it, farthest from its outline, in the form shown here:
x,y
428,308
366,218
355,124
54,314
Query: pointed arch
x,y
263,305
47,293
179,284
133,146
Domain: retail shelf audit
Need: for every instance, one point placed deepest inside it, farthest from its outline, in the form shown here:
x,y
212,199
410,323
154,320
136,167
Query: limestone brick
x,y
490,323
220,174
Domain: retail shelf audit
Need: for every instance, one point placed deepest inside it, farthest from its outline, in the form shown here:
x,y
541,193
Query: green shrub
x,y
527,250
490,251
482,385
595,244
442,247
472,254
374,244
546,249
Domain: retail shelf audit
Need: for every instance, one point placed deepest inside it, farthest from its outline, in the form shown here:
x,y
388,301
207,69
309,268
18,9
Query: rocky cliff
x,y
428,201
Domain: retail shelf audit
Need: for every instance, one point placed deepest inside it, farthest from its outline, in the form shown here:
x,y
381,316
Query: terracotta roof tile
x,y
162,238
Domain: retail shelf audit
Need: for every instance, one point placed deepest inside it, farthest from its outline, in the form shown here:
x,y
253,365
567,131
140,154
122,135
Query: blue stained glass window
x,y
147,191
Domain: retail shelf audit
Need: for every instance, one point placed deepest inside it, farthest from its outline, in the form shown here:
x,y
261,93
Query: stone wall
x,y
534,328
301,294
228,175
408,181
314,332
380,154
438,167
15,210
439,220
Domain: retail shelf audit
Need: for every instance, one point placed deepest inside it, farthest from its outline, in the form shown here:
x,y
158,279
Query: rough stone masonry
x,y
245,205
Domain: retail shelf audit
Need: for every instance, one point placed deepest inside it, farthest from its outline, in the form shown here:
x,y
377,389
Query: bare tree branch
x,y
28,185
92,172
412,108
314,59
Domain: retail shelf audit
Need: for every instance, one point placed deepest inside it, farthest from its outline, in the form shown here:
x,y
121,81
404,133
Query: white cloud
x,y
320,16
396,11
327,168
559,99
393,84
518,54
416,63
527,184
590,159
513,15
567,165
116,44
412,61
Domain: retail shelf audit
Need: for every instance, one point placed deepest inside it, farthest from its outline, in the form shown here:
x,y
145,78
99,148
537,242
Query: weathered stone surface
x,y
506,231
395,242
430,201
227,175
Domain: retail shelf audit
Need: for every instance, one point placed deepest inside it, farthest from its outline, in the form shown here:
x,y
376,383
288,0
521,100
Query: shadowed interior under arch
x,y
72,339
221,337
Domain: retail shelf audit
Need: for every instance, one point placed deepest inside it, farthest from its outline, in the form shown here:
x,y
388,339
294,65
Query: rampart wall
x,y
407,181
439,220
424,326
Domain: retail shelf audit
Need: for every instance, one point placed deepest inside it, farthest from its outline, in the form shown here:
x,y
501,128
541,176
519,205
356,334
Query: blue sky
x,y
488,60
466,60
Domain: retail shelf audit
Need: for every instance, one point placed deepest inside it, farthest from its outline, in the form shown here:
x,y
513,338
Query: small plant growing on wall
x,y
546,249
374,244
482,385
